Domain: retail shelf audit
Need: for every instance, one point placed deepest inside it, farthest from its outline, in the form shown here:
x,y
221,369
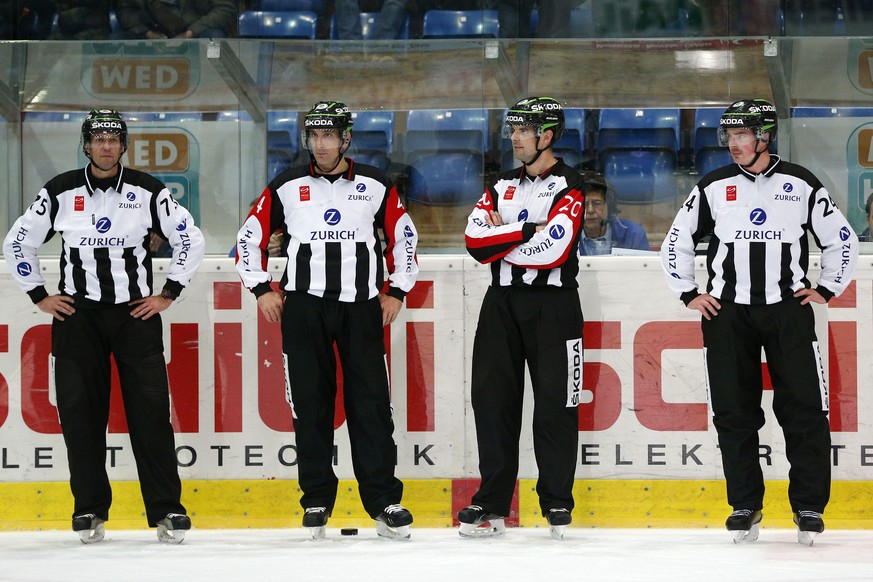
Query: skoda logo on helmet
x,y
105,125
514,119
732,121
318,121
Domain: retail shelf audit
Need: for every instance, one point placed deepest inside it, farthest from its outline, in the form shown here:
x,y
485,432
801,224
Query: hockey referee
x,y
526,228
330,212
105,214
760,212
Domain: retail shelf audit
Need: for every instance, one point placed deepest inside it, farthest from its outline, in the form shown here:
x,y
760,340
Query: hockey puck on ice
x,y
349,531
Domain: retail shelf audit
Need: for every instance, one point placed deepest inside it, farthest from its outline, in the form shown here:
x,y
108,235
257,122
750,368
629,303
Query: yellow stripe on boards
x,y
276,504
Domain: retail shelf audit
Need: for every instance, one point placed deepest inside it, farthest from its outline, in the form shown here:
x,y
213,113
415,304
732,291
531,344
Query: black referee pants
x,y
310,327
81,347
542,326
733,341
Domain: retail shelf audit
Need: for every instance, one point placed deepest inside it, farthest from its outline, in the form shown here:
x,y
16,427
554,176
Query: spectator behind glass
x,y
156,19
553,18
866,236
26,20
602,230
82,20
387,26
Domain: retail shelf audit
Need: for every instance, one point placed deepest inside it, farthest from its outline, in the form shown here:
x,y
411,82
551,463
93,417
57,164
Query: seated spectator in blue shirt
x,y
602,229
866,236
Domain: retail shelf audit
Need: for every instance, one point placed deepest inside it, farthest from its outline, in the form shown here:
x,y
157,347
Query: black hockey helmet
x,y
327,115
104,121
758,115
540,112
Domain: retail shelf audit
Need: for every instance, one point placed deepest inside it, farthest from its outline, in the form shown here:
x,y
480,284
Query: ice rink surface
x,y
527,554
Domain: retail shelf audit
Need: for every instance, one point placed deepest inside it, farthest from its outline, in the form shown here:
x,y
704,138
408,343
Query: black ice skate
x,y
809,525
89,527
393,523
315,518
171,529
743,525
558,519
478,523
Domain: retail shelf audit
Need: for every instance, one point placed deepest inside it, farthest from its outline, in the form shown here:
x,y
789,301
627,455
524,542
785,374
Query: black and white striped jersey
x,y
758,253
517,253
105,228
331,229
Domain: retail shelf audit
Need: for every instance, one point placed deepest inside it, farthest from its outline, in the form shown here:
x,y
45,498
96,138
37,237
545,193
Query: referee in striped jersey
x,y
760,213
106,214
331,212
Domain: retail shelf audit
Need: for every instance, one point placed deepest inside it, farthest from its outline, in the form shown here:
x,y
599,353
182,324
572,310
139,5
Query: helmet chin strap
x,y
757,154
539,152
339,159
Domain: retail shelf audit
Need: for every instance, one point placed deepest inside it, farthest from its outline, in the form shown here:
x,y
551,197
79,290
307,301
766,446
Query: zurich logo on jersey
x,y
24,269
758,217
522,216
557,231
361,187
182,225
103,225
845,233
551,186
332,217
787,187
407,232
131,196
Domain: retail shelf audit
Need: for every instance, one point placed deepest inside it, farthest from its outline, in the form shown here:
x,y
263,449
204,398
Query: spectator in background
x,y
156,19
866,236
26,19
82,20
553,18
602,230
729,18
387,26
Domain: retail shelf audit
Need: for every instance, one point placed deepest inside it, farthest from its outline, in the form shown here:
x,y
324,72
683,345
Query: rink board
x,y
434,503
647,456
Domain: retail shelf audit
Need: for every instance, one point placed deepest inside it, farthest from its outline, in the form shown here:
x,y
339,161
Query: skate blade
x,y
806,538
742,536
487,529
383,530
92,536
318,533
170,536
557,531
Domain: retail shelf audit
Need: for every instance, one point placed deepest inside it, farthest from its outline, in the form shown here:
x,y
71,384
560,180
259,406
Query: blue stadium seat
x,y
373,138
638,151
460,24
368,26
446,179
283,141
162,116
708,155
571,146
832,112
317,6
447,129
274,24
446,150
581,22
